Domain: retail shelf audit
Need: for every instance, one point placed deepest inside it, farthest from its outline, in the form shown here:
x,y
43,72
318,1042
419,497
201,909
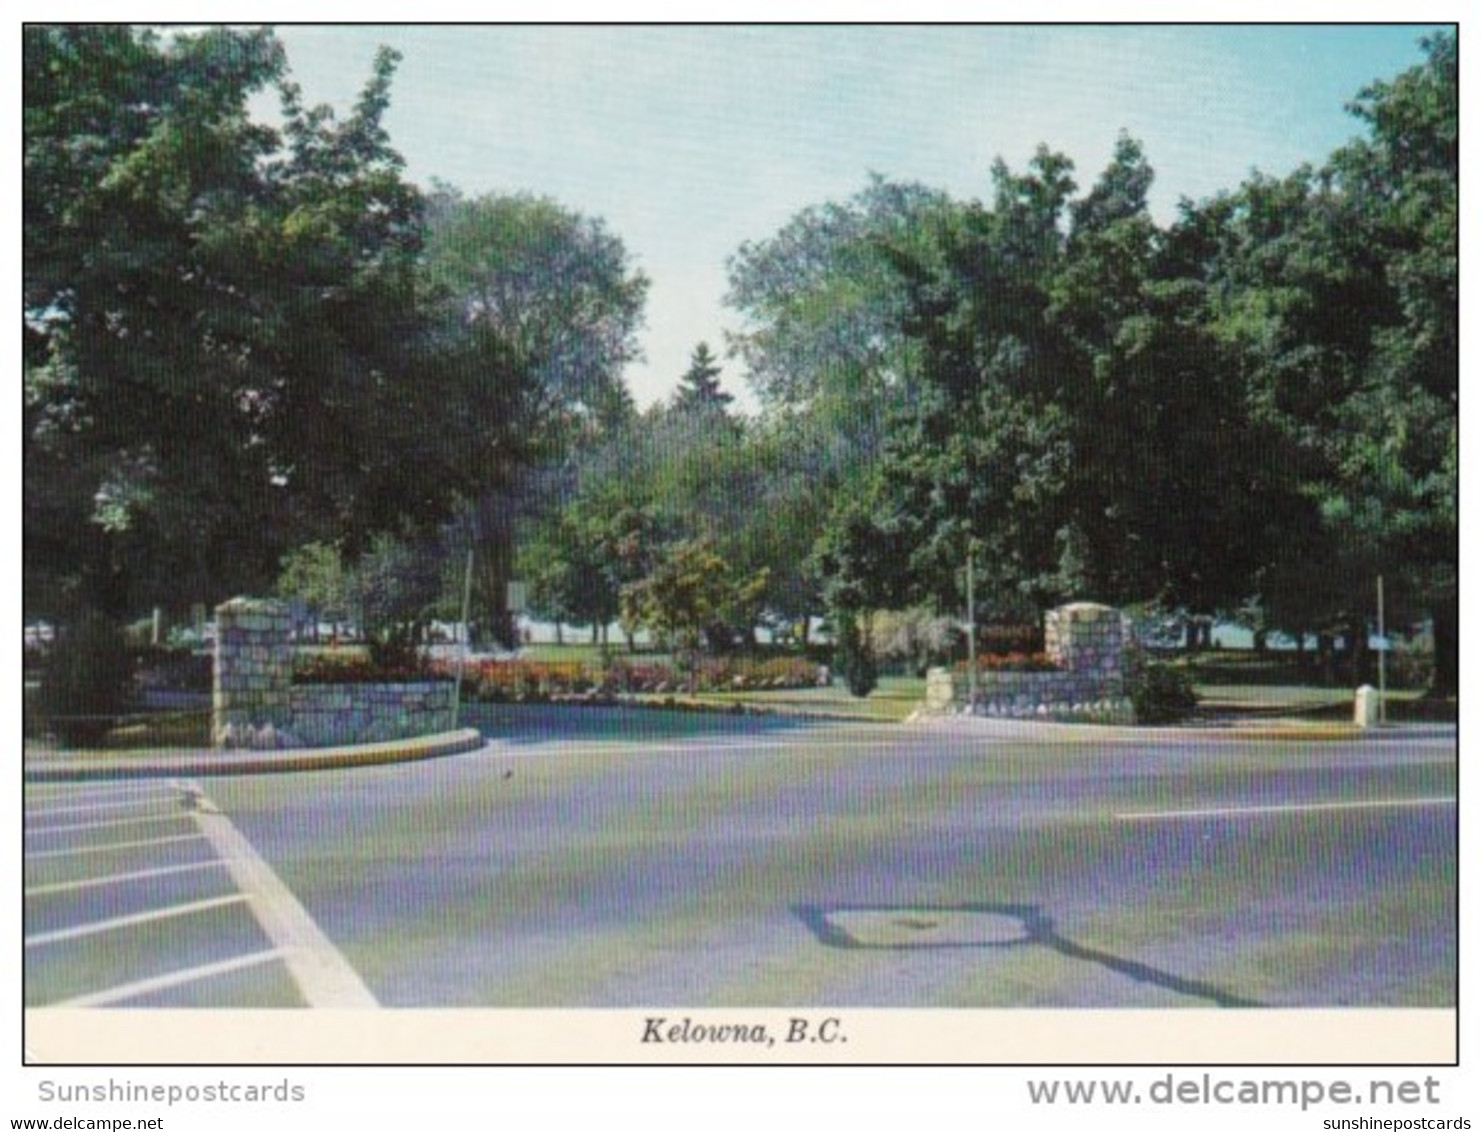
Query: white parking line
x,y
136,803
45,790
1289,808
324,977
125,991
155,819
114,924
115,846
121,878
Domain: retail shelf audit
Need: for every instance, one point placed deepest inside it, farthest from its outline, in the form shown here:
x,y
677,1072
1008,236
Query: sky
x,y
688,141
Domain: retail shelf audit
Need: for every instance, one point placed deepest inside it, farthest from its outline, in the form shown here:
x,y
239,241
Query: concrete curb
x,y
200,763
1273,731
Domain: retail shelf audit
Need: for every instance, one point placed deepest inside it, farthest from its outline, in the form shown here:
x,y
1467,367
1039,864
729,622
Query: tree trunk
x,y
1324,657
1262,641
1444,682
559,634
1360,657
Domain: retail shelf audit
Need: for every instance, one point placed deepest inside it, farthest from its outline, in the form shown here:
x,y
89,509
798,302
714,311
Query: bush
x,y
86,682
1161,693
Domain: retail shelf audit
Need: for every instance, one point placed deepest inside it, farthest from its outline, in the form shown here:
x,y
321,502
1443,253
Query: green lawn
x,y
585,652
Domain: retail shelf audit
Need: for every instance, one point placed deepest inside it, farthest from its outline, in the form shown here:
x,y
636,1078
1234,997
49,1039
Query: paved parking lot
x,y
141,894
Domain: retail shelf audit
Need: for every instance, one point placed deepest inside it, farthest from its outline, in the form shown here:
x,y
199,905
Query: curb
x,y
1274,731
203,763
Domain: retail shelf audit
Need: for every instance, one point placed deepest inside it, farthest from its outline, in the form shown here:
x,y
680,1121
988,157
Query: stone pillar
x,y
254,674
1085,637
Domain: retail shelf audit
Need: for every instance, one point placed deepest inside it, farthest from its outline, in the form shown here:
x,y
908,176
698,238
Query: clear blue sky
x,y
689,140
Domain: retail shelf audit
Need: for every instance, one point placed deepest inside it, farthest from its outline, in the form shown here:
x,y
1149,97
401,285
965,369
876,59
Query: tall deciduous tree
x,y
227,353
541,306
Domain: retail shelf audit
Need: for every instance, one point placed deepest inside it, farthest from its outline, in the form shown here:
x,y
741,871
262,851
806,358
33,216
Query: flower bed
x,y
493,681
357,668
1012,662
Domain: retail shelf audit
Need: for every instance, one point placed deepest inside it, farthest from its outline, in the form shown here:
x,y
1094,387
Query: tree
x,y
699,389
1336,292
224,343
823,310
693,595
554,287
1170,481
980,450
133,150
397,585
541,306
316,575
1398,484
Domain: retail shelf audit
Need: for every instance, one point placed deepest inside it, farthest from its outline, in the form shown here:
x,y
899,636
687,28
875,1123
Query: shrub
x,y
86,682
1161,693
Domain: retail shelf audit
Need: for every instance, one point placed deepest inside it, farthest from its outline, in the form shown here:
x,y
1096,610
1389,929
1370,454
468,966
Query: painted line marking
x,y
125,991
324,977
121,878
155,820
1288,808
161,800
115,846
114,924
44,792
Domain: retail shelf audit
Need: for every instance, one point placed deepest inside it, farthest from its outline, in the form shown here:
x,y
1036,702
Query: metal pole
x,y
463,652
971,636
1382,659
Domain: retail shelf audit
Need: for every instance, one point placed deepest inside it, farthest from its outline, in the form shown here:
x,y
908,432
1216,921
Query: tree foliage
x,y
225,349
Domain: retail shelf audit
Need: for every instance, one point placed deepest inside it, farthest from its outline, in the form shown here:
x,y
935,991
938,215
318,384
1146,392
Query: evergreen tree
x,y
699,388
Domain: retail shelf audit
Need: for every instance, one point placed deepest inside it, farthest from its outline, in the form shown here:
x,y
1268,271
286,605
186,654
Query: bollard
x,y
1365,706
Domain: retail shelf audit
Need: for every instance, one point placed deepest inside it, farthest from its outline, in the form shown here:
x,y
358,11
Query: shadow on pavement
x,y
1001,926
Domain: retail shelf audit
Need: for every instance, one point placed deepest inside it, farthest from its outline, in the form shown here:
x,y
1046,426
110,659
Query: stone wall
x,y
1091,646
256,705
334,715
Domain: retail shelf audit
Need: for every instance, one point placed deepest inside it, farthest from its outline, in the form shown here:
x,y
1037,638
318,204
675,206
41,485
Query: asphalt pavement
x,y
647,860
